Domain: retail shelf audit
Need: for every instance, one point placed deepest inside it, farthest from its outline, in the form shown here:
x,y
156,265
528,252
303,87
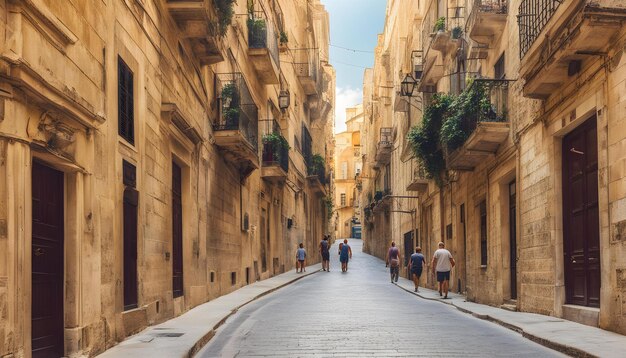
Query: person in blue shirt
x,y
301,257
345,254
416,264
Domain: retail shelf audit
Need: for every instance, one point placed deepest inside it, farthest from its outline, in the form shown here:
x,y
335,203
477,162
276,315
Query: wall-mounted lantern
x,y
283,100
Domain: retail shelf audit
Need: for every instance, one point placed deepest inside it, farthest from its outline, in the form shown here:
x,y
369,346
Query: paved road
x,y
360,313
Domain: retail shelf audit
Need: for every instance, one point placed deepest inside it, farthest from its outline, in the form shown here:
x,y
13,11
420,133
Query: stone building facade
x,y
530,203
347,170
142,170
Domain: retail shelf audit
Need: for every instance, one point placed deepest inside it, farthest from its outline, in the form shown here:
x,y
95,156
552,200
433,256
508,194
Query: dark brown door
x,y
580,216
263,225
47,262
513,239
131,200
409,249
177,231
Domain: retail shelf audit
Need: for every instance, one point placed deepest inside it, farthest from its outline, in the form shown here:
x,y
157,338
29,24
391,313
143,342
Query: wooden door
x,y
409,249
177,231
581,238
263,231
47,262
513,239
131,201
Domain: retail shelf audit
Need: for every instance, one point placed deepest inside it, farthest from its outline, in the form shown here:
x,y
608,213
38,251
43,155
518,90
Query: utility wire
x,y
351,49
332,62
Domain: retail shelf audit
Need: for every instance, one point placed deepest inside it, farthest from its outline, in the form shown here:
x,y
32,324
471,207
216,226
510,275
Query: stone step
x,y
509,307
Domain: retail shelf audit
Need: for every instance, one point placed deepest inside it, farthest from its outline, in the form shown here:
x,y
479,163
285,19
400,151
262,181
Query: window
x,y
498,68
483,233
344,170
125,103
343,199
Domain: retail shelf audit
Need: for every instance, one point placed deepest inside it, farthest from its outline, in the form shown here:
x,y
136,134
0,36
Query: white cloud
x,y
345,97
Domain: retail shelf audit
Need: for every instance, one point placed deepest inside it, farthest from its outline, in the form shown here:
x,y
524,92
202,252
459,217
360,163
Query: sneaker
x,y
416,290
440,294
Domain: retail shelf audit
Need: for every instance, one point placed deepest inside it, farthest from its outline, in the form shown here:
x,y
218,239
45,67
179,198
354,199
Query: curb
x,y
207,337
559,347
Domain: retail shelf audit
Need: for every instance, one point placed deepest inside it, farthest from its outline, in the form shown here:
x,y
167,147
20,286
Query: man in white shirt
x,y
442,264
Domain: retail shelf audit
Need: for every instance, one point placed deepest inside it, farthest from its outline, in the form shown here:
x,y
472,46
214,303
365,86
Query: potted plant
x,y
283,39
225,15
440,24
457,32
257,33
230,105
277,143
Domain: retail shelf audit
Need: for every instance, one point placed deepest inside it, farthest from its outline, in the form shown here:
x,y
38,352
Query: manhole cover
x,y
168,334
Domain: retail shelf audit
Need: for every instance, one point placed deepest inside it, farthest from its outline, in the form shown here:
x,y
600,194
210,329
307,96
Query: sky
x,y
354,24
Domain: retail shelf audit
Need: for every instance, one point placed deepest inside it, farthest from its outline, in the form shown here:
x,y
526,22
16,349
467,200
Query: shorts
x,y
394,269
416,272
301,262
325,256
443,276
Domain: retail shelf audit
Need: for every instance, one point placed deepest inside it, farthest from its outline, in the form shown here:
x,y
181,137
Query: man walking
x,y
324,252
442,263
393,261
416,264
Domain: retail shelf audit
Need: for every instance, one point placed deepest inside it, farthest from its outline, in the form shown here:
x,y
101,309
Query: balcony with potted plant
x,y
204,23
275,164
476,124
263,45
236,129
316,174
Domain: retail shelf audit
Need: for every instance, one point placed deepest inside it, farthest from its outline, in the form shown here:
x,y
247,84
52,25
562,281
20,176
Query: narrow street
x,y
359,313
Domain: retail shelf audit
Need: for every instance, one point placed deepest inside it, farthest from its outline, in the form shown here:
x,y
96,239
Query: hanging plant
x,y
425,138
330,205
225,14
440,24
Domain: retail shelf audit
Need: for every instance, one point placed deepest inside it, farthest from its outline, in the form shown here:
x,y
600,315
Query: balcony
x,y
317,175
263,47
198,21
487,20
557,38
487,129
447,34
275,158
383,149
419,180
236,130
307,67
382,201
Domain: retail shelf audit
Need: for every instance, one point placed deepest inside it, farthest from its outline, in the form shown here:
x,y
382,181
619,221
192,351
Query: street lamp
x,y
407,86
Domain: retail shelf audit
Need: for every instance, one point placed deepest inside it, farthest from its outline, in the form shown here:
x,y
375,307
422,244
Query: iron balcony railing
x,y
455,22
385,137
237,110
275,155
495,109
485,6
532,18
262,33
306,63
319,171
